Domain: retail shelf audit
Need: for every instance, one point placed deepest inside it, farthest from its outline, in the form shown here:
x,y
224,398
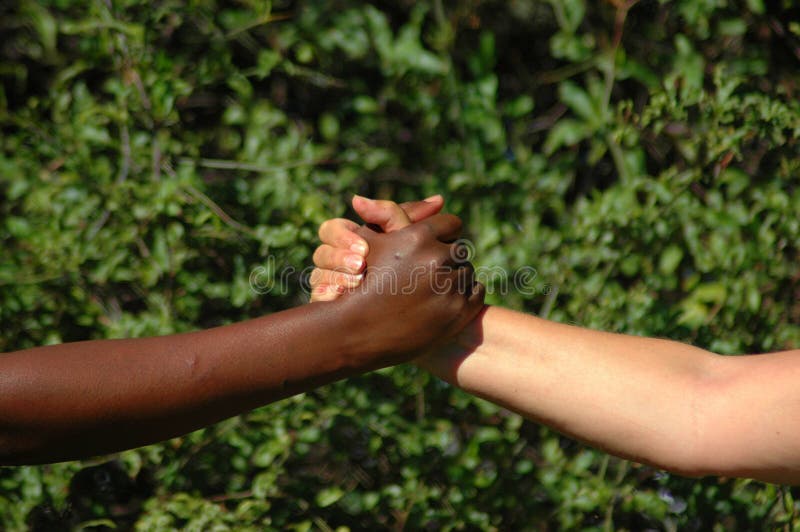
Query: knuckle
x,y
345,236
316,277
364,232
443,256
387,204
434,263
337,278
418,234
324,227
319,256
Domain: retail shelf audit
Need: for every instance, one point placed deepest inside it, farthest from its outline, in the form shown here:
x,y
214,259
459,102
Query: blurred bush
x,y
640,159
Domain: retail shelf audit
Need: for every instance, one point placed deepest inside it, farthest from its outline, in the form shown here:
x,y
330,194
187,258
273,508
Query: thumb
x,y
387,214
420,210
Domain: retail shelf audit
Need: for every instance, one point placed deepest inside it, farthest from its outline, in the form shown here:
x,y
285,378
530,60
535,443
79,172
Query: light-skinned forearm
x,y
655,401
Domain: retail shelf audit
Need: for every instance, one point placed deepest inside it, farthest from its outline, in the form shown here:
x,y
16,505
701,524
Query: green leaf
x,y
329,496
670,259
567,132
578,100
44,23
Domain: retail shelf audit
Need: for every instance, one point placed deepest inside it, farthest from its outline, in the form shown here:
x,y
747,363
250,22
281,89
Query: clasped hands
x,y
403,274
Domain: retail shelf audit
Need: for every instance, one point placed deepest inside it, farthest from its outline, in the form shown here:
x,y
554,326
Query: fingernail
x,y
430,199
354,262
360,248
352,280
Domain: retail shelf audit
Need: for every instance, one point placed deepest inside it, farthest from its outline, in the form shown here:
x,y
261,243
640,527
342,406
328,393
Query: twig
x,y
780,31
264,19
155,156
550,299
124,169
619,27
547,120
560,74
231,496
322,524
125,148
317,78
224,216
610,77
224,164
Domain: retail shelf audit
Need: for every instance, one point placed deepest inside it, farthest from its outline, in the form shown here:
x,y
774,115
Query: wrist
x,y
359,344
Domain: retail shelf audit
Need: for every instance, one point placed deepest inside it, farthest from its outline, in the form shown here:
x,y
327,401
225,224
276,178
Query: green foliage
x,y
154,153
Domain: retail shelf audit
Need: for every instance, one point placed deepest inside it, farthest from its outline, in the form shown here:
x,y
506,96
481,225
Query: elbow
x,y
692,450
711,432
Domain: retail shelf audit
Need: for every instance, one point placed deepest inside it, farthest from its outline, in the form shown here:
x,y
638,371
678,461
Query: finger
x,y
342,260
445,227
459,252
466,275
326,292
321,277
473,309
420,210
475,302
340,233
478,295
387,214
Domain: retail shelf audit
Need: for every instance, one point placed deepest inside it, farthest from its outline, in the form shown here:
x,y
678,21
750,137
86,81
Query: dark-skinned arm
x,y
82,399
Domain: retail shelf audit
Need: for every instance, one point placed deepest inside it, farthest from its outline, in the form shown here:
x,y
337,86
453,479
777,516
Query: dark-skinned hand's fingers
x,y
473,307
341,233
332,258
466,276
420,210
459,253
478,295
445,227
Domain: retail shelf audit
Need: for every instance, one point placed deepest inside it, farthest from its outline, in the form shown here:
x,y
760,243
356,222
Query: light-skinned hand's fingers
x,y
340,233
320,277
326,292
420,210
387,214
342,260
445,227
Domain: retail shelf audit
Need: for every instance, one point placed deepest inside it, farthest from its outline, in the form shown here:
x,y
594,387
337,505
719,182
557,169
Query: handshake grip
x,y
418,289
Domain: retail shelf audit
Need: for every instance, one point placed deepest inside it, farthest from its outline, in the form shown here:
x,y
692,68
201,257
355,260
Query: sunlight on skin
x,y
659,402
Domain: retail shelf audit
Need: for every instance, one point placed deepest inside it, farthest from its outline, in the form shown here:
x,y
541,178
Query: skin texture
x,y
410,271
82,399
348,250
654,401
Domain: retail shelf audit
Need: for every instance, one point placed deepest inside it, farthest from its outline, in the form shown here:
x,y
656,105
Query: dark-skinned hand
x,y
415,292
